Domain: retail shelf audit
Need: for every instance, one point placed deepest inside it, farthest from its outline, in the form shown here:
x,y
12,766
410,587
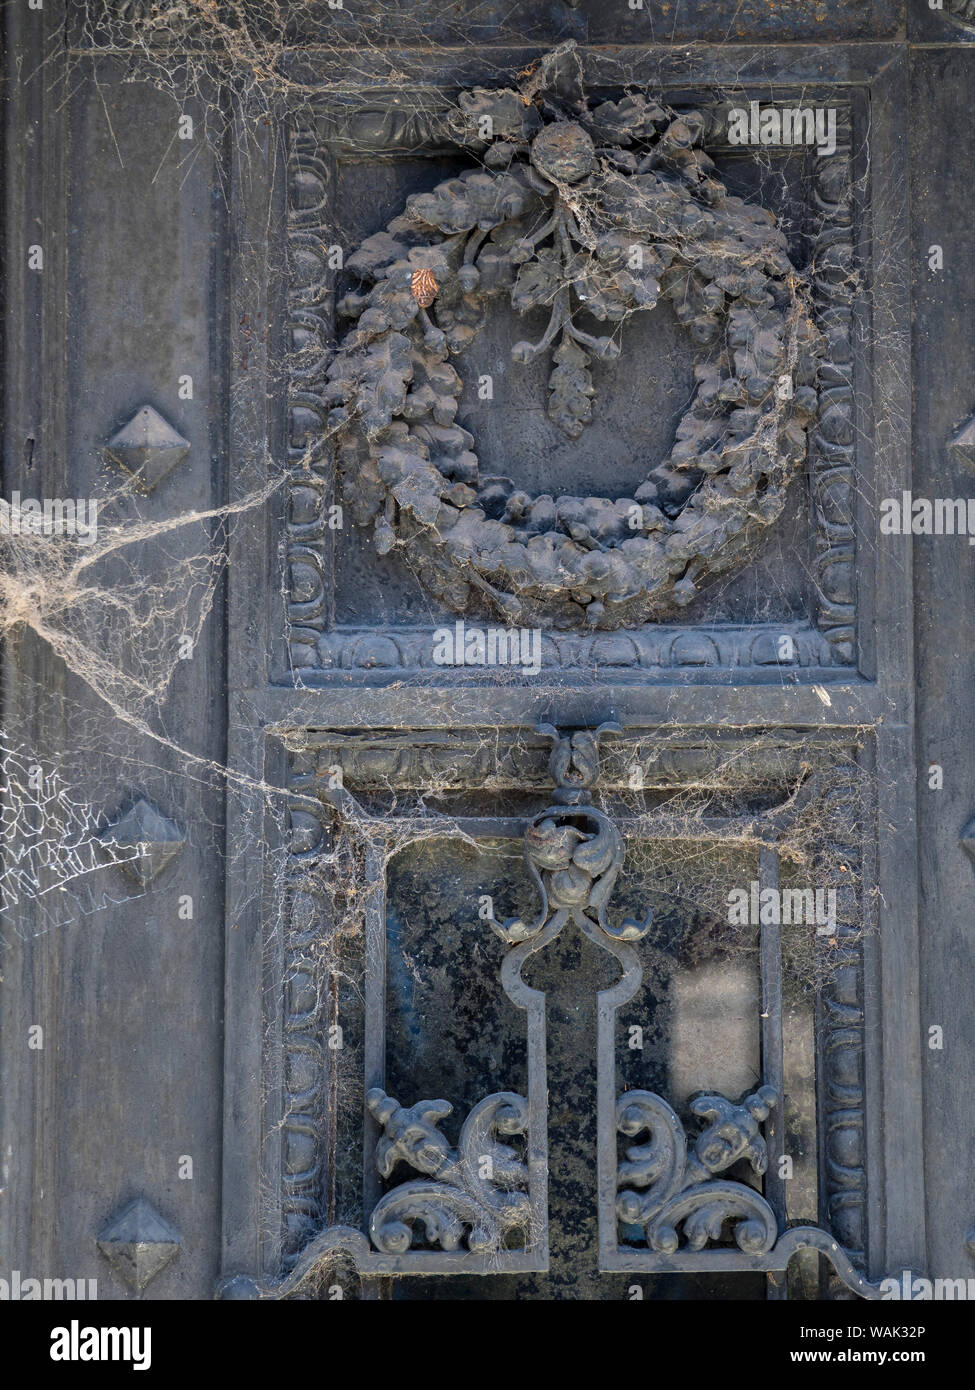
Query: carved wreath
x,y
598,208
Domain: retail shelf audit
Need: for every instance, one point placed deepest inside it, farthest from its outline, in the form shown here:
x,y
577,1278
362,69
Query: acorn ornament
x,y
423,287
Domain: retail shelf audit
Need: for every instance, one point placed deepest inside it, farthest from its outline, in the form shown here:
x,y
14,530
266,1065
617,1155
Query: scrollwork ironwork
x,y
682,1188
673,1202
573,850
478,1195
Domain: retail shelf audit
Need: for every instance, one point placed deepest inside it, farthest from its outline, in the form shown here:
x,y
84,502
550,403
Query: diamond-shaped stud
x,y
961,446
147,447
146,831
138,1243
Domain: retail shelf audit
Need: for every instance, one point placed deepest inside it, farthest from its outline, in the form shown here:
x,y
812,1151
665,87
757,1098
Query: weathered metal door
x,y
485,786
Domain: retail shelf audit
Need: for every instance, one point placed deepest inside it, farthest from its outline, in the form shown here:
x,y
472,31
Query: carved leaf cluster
x,y
649,221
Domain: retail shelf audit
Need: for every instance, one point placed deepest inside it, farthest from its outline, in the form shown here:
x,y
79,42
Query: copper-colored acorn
x,y
424,287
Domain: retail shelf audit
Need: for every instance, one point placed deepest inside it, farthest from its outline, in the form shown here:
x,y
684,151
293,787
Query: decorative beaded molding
x,y
347,652
832,438
304,1123
841,1064
501,760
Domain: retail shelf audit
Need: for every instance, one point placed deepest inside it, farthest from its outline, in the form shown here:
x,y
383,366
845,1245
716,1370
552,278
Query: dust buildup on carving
x,y
563,152
611,212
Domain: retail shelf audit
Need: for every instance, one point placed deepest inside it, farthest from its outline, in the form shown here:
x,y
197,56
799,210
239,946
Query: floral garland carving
x,y
600,208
